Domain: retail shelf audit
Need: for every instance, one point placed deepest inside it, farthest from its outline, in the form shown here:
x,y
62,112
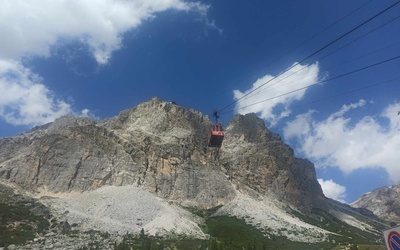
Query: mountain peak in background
x,y
384,202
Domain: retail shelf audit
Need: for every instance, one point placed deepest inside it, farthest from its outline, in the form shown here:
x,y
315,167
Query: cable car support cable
x,y
314,53
326,80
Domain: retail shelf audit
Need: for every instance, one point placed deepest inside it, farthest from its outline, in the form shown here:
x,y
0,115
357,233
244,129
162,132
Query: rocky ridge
x,y
254,157
157,154
384,202
163,148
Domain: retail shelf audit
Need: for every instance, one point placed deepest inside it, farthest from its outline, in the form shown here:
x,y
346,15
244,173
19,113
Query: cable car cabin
x,y
216,136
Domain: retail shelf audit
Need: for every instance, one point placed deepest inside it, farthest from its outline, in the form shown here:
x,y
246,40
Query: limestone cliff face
x,y
161,147
69,154
384,202
255,157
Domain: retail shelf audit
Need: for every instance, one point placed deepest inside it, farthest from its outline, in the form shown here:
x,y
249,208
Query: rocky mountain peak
x,y
248,128
139,169
165,120
257,158
159,116
384,202
162,147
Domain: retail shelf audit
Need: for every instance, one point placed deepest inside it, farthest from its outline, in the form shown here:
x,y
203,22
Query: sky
x,y
322,74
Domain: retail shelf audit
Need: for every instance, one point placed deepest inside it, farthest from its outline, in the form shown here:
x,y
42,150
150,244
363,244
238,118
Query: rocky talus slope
x,y
150,161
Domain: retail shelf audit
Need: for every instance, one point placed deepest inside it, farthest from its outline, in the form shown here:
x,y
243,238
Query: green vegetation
x,y
360,247
233,233
18,223
346,234
204,213
230,233
145,242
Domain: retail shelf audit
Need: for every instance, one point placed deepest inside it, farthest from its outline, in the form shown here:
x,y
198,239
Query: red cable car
x,y
216,134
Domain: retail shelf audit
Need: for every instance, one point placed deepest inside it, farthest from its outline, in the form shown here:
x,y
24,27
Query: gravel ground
x,y
265,214
119,210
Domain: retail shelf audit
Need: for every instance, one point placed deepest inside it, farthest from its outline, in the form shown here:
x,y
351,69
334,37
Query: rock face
x,y
256,158
161,147
138,169
384,202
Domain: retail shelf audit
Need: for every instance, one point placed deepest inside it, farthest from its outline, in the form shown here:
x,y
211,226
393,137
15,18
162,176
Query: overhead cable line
x,y
325,56
346,92
319,32
337,65
325,80
316,52
315,35
369,32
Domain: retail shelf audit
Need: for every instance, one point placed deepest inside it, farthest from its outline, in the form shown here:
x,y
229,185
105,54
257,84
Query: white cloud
x,y
333,190
34,28
24,100
339,141
85,113
297,77
300,127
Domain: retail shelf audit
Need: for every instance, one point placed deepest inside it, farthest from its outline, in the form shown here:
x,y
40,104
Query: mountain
x,y
149,169
384,202
163,148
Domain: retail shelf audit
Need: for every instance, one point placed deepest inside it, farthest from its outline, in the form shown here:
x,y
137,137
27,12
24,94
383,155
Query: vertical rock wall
x,y
163,148
257,158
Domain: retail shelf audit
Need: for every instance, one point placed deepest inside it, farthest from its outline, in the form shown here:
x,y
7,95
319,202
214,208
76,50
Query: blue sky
x,y
96,58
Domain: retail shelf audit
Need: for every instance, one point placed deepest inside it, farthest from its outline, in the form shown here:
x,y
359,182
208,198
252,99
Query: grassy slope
x,y
18,223
233,233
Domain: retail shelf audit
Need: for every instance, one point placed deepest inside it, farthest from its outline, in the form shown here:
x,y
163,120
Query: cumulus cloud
x,y
333,190
271,102
340,141
24,100
35,28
